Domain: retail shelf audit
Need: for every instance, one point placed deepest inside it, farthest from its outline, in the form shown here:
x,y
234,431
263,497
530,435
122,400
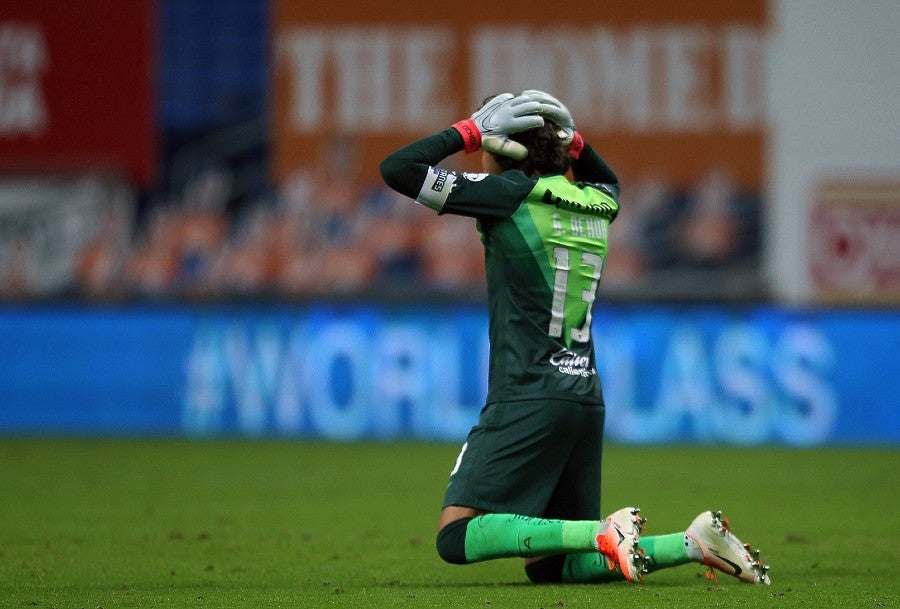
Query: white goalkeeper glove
x,y
503,114
507,113
556,111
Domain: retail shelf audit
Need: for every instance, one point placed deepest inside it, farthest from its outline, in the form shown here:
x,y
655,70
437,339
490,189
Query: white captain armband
x,y
437,187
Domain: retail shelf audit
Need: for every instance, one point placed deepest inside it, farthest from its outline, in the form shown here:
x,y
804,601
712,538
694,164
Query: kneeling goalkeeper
x,y
527,480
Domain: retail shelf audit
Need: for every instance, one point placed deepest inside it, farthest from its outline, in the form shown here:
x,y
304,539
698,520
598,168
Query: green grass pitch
x,y
177,523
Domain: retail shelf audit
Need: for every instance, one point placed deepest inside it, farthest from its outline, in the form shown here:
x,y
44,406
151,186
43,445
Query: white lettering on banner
x,y
624,70
205,386
338,381
742,387
809,408
744,415
23,61
643,79
344,379
744,74
339,404
368,79
288,408
416,375
452,415
401,377
253,373
687,96
363,83
304,53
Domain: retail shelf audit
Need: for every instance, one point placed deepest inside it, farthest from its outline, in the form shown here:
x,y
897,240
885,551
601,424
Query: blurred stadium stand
x,y
212,226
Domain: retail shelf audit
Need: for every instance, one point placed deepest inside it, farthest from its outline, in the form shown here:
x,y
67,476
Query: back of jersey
x,y
543,269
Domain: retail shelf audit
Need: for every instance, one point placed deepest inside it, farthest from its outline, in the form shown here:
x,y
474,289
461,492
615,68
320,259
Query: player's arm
x,y
406,169
412,170
588,166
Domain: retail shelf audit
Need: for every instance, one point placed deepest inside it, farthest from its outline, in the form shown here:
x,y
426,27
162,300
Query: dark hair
x,y
546,153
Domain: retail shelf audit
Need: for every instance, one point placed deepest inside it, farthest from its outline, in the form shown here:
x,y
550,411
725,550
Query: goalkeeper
x,y
527,480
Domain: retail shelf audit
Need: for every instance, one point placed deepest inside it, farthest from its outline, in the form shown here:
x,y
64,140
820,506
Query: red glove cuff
x,y
577,146
470,134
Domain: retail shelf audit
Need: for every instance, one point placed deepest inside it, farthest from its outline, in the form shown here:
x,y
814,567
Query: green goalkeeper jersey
x,y
545,241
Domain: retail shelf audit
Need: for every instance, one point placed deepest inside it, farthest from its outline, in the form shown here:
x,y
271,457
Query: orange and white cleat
x,y
617,539
723,551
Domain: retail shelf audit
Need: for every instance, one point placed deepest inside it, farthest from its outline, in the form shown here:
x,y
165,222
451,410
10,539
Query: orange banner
x,y
656,87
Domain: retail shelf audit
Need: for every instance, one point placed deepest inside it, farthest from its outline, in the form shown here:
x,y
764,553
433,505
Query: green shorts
x,y
534,458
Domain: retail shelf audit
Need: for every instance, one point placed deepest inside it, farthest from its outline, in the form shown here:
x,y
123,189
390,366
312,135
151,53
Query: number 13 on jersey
x,y
585,278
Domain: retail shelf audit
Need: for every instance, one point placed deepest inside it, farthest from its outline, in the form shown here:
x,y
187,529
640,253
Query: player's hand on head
x,y
504,114
507,113
502,145
551,108
554,110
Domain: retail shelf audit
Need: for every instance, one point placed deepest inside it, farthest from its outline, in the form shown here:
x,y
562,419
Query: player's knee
x,y
546,570
451,541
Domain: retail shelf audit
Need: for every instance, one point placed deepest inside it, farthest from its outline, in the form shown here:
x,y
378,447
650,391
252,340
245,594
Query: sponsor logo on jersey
x,y
437,187
572,364
582,207
440,180
474,177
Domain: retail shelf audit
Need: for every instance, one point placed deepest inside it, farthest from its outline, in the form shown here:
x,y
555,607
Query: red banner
x,y
673,89
76,86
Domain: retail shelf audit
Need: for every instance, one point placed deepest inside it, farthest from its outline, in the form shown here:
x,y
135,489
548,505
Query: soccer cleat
x,y
725,552
617,540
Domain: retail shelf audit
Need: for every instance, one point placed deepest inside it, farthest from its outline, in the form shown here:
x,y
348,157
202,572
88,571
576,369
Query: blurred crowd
x,y
324,235
318,237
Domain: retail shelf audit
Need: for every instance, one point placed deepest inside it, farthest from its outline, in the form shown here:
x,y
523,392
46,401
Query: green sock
x,y
508,535
588,567
662,551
